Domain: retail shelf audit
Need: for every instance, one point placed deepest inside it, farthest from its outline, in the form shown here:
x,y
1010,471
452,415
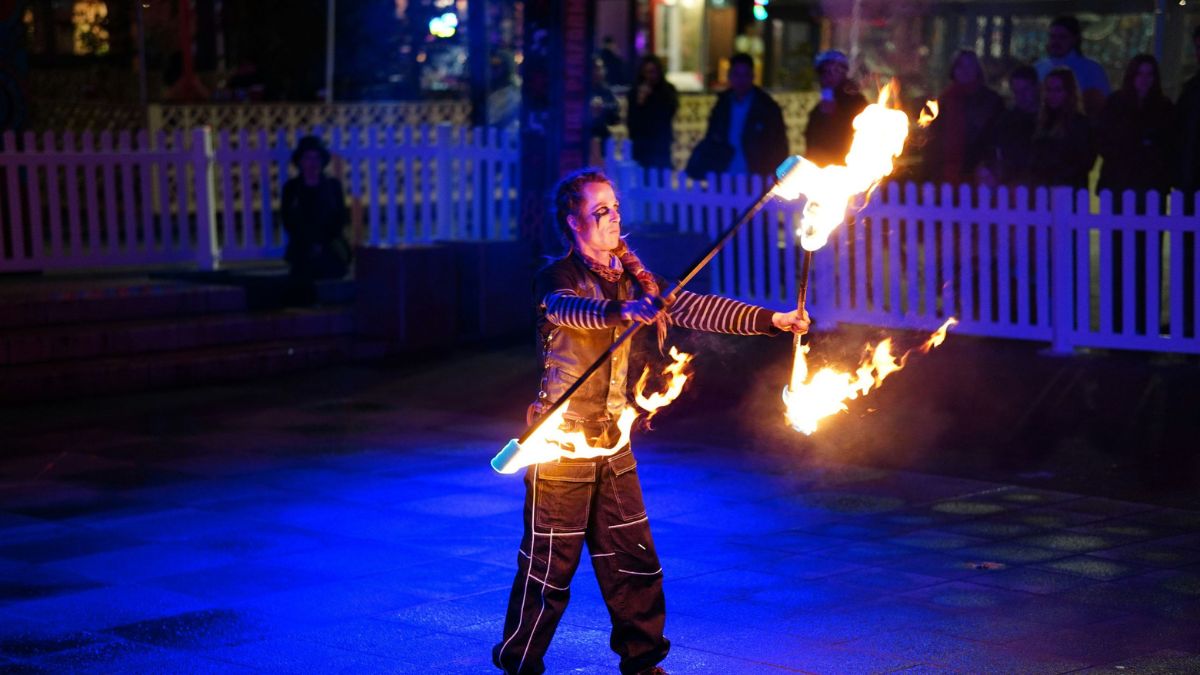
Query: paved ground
x,y
347,521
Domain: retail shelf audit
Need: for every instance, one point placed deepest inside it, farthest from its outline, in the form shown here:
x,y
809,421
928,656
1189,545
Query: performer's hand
x,y
792,321
642,310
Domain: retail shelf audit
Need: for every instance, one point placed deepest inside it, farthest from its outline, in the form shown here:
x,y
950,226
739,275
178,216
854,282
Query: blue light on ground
x,y
311,531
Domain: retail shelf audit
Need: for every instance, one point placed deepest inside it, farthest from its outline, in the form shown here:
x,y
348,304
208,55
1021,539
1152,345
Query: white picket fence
x,y
80,202
1044,265
1041,265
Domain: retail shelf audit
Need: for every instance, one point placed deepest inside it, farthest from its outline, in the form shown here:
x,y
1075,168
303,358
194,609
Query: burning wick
x,y
549,441
807,401
880,132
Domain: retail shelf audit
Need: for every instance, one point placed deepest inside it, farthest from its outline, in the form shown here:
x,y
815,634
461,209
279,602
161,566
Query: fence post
x,y
208,254
154,118
821,297
445,196
1062,265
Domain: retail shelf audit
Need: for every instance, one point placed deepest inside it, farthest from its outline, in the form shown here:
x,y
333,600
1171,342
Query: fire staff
x,y
585,299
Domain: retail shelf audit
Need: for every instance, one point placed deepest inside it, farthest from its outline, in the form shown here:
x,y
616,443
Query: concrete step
x,y
47,343
41,301
76,379
267,285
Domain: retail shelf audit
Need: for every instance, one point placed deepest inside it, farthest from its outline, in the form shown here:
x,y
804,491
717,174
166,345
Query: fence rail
x,y
141,199
1045,264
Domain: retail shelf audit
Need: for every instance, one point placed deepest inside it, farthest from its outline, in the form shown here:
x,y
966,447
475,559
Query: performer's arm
x,y
565,307
716,314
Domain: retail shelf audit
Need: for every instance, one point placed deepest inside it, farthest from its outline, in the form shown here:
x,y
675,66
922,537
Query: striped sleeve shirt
x,y
716,314
565,307
712,313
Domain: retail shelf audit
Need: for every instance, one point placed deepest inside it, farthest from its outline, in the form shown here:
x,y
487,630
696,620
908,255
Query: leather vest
x,y
567,352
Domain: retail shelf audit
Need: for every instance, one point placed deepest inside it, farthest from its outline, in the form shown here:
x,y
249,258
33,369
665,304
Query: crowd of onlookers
x,y
1062,116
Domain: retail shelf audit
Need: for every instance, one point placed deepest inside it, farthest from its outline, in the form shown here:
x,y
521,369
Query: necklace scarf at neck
x,y
624,259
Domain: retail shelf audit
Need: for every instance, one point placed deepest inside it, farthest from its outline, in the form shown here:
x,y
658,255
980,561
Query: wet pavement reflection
x,y
347,521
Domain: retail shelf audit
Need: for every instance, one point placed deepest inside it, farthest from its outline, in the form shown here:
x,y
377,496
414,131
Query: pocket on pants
x,y
564,495
626,486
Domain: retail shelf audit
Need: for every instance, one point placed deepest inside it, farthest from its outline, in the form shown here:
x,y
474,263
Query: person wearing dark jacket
x,y
967,109
748,121
1063,152
1007,158
1187,176
585,299
830,128
313,209
650,114
604,111
1135,137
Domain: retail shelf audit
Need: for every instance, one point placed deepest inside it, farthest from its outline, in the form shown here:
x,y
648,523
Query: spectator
x,y
604,111
746,122
829,132
1187,116
1064,48
967,108
1008,154
314,216
1062,152
614,65
651,112
1134,136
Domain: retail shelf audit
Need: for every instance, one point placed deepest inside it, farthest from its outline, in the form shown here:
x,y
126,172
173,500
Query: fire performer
x,y
585,299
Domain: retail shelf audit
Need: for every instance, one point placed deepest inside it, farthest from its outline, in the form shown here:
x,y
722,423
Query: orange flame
x,y
809,400
549,441
676,378
928,114
939,336
879,135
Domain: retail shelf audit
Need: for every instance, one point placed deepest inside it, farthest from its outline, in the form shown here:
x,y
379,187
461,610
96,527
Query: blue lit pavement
x,y
348,521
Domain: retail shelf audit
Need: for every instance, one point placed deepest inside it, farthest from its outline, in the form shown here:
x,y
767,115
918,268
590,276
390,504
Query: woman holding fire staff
x,y
585,299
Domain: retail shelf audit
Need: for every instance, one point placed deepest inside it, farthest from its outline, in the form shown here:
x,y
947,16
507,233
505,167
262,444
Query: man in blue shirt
x,y
1063,49
746,119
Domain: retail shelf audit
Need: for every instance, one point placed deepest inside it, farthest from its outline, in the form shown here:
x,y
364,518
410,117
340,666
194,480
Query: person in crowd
x,y
1134,136
584,299
746,133
967,109
1007,157
604,111
829,132
314,214
650,114
614,65
1062,152
1134,139
1064,49
1187,172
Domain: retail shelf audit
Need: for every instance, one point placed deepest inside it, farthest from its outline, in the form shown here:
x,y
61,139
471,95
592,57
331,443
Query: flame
x,y
879,135
549,441
676,378
939,336
928,114
809,400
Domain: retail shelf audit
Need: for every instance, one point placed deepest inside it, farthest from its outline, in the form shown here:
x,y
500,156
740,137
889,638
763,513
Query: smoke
x,y
889,39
